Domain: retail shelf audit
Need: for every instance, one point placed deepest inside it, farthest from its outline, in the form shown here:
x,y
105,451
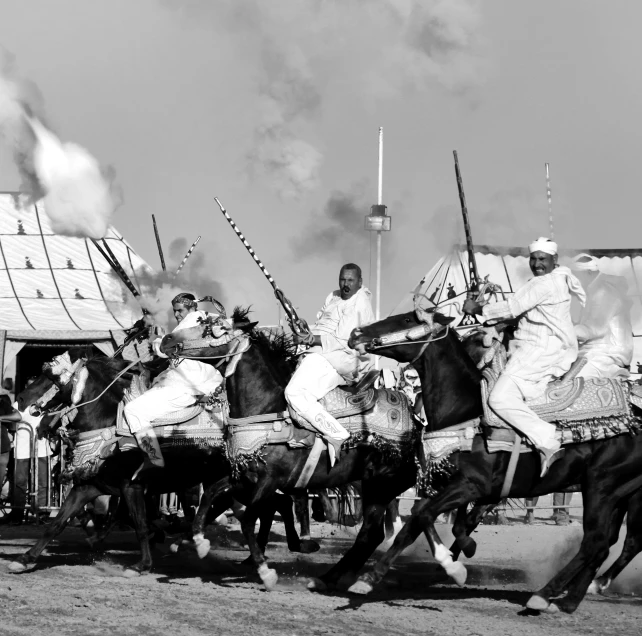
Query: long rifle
x,y
297,325
158,244
473,284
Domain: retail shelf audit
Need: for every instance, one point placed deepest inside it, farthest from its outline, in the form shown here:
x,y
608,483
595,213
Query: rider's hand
x,y
472,307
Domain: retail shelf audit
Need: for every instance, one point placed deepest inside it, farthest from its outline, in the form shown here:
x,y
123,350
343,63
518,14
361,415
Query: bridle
x,y
238,340
411,336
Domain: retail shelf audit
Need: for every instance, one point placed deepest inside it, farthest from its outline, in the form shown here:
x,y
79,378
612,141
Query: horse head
x,y
215,337
403,337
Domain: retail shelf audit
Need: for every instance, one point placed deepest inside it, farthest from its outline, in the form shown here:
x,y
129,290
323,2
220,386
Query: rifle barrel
x,y
158,244
472,263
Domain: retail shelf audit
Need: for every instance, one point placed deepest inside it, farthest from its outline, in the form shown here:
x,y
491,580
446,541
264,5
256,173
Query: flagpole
x,y
550,204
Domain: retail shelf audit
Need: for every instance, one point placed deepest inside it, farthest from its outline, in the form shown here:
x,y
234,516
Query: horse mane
x,y
277,345
107,369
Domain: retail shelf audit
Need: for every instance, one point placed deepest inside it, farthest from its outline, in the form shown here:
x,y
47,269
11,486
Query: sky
x,y
275,109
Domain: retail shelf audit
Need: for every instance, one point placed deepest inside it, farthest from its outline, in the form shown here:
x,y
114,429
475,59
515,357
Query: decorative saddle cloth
x,y
194,425
582,409
379,416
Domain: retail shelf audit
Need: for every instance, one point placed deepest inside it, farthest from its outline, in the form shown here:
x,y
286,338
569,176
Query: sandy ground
x,y
75,591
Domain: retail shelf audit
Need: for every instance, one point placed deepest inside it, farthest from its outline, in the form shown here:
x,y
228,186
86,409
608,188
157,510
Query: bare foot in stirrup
x,y
549,456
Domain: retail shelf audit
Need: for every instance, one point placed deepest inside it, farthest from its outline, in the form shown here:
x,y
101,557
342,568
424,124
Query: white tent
x,y
57,290
446,283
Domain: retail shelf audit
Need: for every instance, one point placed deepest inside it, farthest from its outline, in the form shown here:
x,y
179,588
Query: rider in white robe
x,y
330,362
605,333
544,346
174,389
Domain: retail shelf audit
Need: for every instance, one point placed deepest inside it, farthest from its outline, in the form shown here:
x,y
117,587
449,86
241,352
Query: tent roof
x,y
446,283
54,286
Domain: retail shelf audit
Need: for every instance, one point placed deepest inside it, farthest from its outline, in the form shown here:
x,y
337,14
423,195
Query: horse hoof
x,y
269,577
360,587
202,545
552,609
316,585
130,573
538,603
457,572
308,546
175,547
469,547
17,566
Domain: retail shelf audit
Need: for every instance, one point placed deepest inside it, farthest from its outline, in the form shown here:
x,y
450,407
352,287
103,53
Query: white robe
x,y
544,346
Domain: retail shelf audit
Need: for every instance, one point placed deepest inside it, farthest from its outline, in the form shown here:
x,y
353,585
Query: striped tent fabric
x,y
58,283
446,283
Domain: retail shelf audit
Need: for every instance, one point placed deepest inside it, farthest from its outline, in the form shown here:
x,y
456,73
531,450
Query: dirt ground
x,y
75,591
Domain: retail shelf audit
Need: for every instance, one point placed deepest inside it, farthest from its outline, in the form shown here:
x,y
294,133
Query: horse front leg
x,y
283,505
248,524
219,490
457,494
375,498
134,496
465,524
78,497
632,544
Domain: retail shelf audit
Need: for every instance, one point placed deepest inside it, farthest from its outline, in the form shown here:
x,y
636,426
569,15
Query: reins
x,y
77,406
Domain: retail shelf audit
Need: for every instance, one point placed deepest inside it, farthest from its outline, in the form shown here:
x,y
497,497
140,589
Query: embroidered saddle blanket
x,y
375,415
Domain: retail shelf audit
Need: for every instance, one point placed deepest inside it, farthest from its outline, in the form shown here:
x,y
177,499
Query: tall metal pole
x,y
550,204
379,202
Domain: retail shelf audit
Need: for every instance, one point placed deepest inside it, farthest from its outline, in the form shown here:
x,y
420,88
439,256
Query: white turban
x,y
585,263
543,244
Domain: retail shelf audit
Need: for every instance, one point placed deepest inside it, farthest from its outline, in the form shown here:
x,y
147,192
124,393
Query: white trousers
x,y
507,400
314,378
154,404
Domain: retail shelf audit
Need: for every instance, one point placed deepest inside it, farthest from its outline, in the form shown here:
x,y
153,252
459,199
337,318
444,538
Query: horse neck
x,y
99,414
255,387
450,384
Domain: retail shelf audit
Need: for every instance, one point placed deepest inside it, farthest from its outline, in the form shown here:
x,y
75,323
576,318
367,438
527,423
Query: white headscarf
x,y
543,244
585,263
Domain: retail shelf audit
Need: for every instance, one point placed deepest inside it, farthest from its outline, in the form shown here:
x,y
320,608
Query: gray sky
x,y
276,106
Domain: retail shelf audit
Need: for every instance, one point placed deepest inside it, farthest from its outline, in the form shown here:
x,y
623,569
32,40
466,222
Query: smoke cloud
x,y
339,229
305,53
80,198
157,289
509,218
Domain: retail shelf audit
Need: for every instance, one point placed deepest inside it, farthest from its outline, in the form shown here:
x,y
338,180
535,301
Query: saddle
x,y
582,409
380,416
194,425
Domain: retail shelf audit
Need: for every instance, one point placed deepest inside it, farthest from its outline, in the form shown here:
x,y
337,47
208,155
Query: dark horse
x,y
608,470
185,466
257,388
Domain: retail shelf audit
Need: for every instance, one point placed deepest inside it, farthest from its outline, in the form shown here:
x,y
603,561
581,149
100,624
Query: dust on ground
x,y
74,591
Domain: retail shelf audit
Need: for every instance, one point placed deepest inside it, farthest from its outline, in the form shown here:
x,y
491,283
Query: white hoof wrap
x,y
360,587
202,545
538,603
131,574
174,547
269,577
16,566
457,572
317,585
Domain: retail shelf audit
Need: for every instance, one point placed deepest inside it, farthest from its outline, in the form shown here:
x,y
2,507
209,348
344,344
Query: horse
x,y
607,470
255,389
186,466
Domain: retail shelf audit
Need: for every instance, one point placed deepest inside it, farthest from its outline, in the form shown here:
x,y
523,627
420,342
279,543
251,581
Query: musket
x,y
158,244
134,333
116,266
298,326
473,274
